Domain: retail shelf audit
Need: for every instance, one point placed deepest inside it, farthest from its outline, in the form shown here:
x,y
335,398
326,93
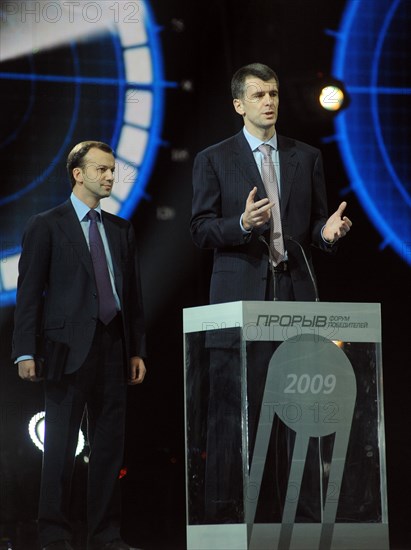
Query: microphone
x,y
271,262
289,238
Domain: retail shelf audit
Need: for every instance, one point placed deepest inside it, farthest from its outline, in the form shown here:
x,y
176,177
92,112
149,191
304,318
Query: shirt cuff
x,y
23,358
330,243
243,229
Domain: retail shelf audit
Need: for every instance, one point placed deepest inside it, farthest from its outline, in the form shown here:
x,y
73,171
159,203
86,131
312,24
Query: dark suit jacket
x,y
57,294
223,176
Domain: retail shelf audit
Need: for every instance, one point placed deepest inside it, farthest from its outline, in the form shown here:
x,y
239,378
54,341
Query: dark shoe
x,y
59,545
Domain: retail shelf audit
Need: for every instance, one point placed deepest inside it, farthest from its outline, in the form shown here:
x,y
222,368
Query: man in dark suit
x,y
259,200
231,210
79,314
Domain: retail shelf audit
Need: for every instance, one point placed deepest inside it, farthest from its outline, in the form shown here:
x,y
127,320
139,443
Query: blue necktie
x,y
106,300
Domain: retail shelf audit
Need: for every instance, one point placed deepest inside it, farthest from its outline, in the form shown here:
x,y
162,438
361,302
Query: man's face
x,y
95,179
259,105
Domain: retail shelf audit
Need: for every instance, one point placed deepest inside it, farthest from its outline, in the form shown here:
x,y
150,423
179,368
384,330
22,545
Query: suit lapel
x,y
71,227
114,242
245,159
288,166
69,224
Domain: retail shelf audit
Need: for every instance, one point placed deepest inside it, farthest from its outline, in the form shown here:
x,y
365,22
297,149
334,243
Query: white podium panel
x,y
284,427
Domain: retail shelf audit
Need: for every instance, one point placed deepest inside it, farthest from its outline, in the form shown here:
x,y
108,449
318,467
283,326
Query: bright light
x,y
331,98
34,26
338,343
36,431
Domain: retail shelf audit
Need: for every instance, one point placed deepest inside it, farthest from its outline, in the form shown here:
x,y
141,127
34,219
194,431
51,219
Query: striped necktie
x,y
269,178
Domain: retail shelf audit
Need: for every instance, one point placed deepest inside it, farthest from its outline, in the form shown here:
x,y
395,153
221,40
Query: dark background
x,y
203,44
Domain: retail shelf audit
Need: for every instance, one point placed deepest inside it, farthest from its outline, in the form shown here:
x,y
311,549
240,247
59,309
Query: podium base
x,y
305,536
285,427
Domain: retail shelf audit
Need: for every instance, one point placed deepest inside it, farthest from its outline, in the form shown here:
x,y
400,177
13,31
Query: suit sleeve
x,y
135,308
215,221
31,286
319,212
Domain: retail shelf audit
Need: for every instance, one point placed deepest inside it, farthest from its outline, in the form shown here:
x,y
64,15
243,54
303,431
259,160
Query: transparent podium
x,y
284,427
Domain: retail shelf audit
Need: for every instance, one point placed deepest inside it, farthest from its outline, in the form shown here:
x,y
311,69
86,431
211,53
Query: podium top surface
x,y
355,322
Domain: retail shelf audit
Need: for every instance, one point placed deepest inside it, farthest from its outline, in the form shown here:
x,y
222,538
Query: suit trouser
x,y
99,388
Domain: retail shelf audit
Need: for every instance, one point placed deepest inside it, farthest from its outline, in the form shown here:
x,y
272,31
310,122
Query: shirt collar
x,y
81,208
255,143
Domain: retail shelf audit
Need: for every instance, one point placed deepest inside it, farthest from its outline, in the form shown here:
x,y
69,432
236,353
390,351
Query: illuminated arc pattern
x,y
67,138
136,136
37,429
371,133
374,103
14,135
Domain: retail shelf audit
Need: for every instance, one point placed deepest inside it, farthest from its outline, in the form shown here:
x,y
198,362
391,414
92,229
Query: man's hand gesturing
x,y
337,225
256,213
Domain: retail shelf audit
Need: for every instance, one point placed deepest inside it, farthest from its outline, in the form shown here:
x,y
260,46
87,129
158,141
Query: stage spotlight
x,y
332,98
36,431
313,99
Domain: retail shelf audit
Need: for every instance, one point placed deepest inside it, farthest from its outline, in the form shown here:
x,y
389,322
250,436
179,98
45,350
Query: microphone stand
x,y
270,256
289,238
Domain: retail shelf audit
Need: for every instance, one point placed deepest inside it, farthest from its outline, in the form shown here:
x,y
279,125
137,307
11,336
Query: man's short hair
x,y
263,72
76,156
